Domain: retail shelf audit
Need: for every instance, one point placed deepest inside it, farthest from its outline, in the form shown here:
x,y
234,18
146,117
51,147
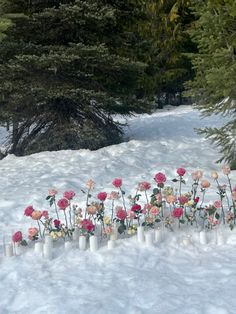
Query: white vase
x,y
48,240
47,251
38,248
149,239
68,245
140,234
158,235
8,250
93,243
220,238
75,235
111,244
82,243
203,237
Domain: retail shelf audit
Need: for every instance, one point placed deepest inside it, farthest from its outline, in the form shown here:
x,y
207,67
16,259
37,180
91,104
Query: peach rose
x,y
171,199
214,175
91,210
205,184
36,215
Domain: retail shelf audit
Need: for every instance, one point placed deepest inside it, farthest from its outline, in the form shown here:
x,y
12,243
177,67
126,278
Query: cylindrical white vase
x,y
38,248
47,251
220,238
8,250
158,235
111,244
186,241
114,234
149,239
68,245
203,237
48,240
82,243
18,249
75,235
93,243
140,234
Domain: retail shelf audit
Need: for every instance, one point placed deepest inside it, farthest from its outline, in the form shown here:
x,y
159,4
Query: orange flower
x,y
36,215
214,175
92,209
205,184
171,199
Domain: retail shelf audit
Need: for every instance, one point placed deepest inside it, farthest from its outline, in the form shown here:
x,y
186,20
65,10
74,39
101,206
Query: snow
x,y
168,278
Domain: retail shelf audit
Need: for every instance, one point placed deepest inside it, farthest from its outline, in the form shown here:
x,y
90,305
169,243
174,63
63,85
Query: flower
x,y
196,200
102,196
181,172
144,186
196,175
87,225
136,208
234,195
158,197
205,184
17,237
117,183
171,199
177,212
56,223
226,170
182,200
63,203
32,232
107,220
160,178
28,211
108,230
155,211
149,220
91,210
217,204
214,175
113,195
69,195
45,214
52,192
90,184
36,215
131,214
121,214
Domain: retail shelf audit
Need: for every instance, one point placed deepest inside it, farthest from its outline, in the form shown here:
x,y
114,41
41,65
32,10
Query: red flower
x,y
181,172
56,223
117,183
17,237
177,212
69,195
102,196
183,200
45,214
160,178
121,214
196,200
87,225
28,211
63,203
136,208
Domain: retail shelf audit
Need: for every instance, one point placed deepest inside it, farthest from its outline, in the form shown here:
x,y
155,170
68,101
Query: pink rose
x,y
28,211
63,203
158,197
69,195
52,192
32,232
117,183
102,196
121,214
234,195
205,184
181,172
131,214
160,178
136,208
56,223
17,237
45,214
155,211
177,212
183,200
113,195
87,225
144,186
217,204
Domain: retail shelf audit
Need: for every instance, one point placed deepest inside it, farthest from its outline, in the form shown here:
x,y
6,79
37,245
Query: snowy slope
x,y
129,279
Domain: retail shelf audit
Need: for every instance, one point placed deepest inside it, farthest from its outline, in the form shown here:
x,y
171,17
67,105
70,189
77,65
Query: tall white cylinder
x,y
111,244
158,235
93,243
220,238
82,243
68,245
47,251
203,237
38,248
48,240
8,250
75,235
149,239
114,234
140,234
18,249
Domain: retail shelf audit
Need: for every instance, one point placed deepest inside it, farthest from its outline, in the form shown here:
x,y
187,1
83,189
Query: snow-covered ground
x,y
166,279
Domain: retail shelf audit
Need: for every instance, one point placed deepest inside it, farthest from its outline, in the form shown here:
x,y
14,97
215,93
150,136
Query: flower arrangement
x,y
164,205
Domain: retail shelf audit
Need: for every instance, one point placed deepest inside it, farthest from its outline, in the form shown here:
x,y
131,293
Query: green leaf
x,y
48,197
182,221
51,202
217,216
174,180
121,228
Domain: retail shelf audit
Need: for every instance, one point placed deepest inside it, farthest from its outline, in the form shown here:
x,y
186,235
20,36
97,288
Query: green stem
x,y
231,191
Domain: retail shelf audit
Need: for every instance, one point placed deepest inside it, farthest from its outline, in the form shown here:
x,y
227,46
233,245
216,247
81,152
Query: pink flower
x,y
63,203
90,184
158,197
28,211
226,170
155,211
196,175
234,195
17,237
181,172
160,178
205,184
52,192
117,183
32,232
183,200
69,195
108,230
217,204
196,200
102,196
45,214
214,175
144,186
56,223
36,215
136,208
177,212
87,225
147,206
121,214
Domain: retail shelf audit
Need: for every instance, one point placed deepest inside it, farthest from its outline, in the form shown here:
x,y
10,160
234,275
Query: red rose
x,y
102,196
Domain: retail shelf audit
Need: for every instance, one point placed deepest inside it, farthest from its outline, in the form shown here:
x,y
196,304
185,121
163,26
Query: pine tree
x,y
214,86
64,72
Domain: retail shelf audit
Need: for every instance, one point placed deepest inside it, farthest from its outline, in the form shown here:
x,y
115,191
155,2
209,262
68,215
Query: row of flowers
x,y
107,213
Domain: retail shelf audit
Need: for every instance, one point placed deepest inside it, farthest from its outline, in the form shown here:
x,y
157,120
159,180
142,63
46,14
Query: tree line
x,y
66,67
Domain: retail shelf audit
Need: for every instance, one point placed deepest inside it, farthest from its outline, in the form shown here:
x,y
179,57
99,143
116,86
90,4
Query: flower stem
x,y
231,191
39,230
